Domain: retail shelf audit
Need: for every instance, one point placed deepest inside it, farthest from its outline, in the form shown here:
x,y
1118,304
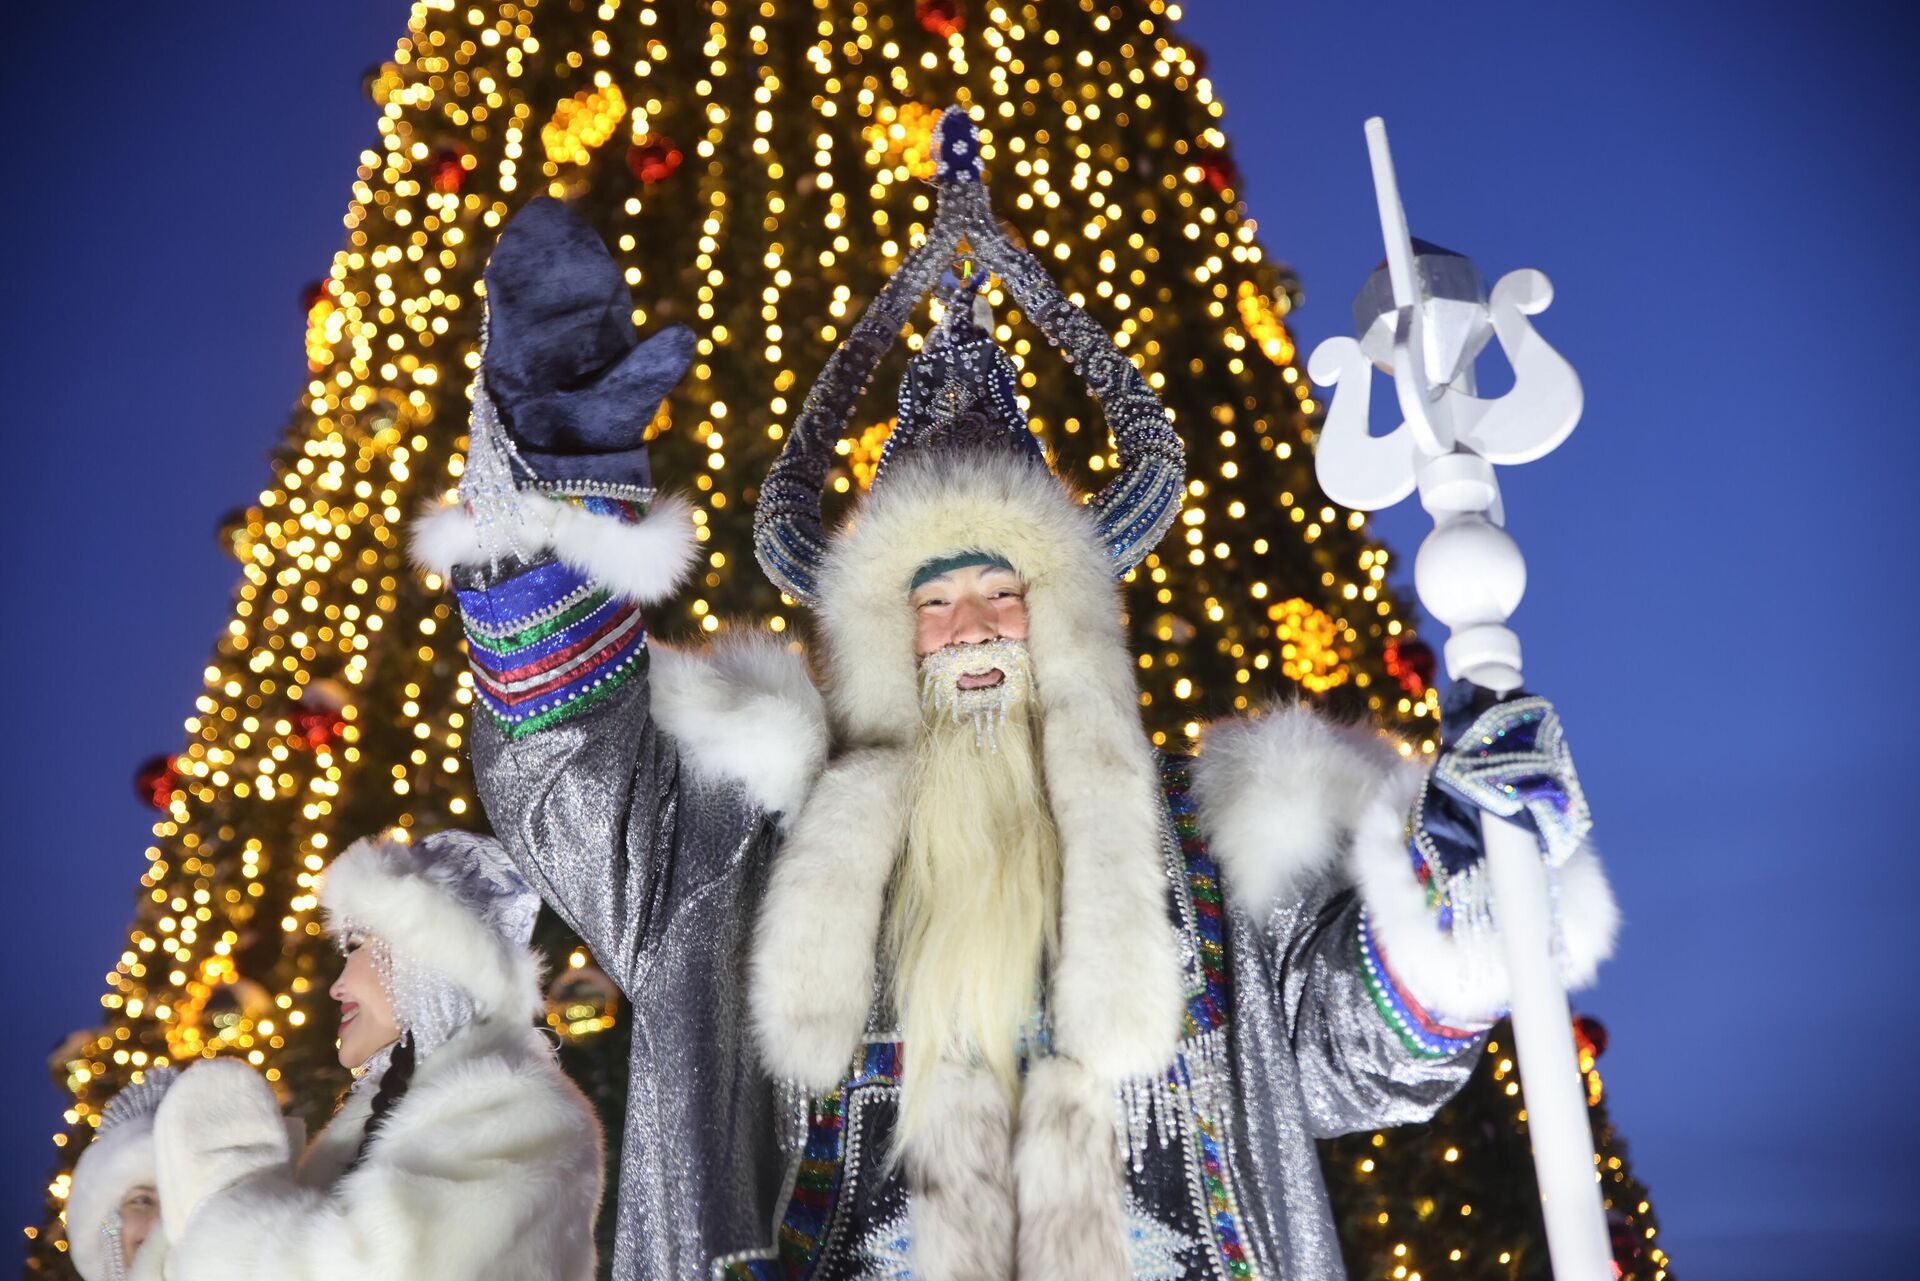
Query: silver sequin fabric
x,y
661,874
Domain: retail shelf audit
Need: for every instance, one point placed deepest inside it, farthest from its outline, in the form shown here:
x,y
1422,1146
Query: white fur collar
x,y
1116,995
333,1150
743,711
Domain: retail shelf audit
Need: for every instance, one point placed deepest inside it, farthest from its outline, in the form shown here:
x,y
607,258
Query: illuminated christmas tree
x,y
1456,1198
756,167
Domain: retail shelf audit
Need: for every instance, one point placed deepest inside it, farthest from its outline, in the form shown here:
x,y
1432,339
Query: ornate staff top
x,y
1423,317
1134,509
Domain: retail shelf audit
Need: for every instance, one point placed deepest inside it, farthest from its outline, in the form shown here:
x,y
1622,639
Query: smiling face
x,y
965,606
366,1011
139,1208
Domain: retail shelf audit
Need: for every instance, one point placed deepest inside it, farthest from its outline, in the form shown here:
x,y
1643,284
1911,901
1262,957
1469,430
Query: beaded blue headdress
x,y
959,389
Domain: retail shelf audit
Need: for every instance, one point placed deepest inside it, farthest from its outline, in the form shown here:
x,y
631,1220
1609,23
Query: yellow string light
x,y
805,129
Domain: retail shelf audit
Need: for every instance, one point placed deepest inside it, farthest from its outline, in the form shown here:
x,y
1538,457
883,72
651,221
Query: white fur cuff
x,y
644,562
1462,976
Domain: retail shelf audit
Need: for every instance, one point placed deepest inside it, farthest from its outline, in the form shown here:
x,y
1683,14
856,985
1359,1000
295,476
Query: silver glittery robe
x,y
1221,1001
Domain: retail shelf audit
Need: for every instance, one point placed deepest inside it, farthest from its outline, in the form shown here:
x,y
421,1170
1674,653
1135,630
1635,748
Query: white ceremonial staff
x,y
1425,318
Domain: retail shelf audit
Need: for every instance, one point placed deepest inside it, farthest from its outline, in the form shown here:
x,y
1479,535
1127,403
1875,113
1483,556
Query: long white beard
x,y
974,913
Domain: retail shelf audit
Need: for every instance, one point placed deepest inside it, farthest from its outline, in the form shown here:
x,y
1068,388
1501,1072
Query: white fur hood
x,y
1115,994
372,887
113,1164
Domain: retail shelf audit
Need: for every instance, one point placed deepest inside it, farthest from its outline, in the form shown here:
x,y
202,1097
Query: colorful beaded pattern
x,y
1207,1007
816,1184
549,643
1421,1033
1220,1207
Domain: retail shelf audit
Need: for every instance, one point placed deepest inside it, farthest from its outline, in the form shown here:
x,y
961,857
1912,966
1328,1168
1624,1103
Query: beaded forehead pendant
x,y
959,388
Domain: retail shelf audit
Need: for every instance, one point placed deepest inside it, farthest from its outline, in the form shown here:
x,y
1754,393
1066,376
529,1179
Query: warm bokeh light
x,y
755,166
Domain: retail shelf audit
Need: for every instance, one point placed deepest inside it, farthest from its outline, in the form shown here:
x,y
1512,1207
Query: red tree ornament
x,y
1410,661
1590,1034
156,781
1220,171
318,726
654,160
942,18
449,169
316,292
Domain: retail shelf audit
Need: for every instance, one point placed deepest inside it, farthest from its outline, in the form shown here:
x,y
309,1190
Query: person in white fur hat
x,y
113,1210
461,1151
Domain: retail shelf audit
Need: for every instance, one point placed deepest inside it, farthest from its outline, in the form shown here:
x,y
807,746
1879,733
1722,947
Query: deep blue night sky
x,y
1721,598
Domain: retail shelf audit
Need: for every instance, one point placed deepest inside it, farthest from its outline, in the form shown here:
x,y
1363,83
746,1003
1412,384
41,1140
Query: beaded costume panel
x,y
846,1211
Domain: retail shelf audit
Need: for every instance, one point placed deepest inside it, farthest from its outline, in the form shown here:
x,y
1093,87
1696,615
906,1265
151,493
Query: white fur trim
x,y
1457,977
373,887
489,1166
1066,1167
1116,995
744,711
811,976
644,562
114,1163
1277,796
959,1170
150,1264
219,1124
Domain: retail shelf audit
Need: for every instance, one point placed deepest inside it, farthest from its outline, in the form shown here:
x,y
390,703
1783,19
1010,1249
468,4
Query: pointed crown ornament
x,y
958,391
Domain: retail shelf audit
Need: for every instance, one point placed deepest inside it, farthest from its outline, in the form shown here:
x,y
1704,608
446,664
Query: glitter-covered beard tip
x,y
943,695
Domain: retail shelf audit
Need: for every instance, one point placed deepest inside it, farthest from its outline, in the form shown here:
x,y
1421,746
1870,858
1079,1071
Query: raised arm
x,y
556,545
570,764
1387,976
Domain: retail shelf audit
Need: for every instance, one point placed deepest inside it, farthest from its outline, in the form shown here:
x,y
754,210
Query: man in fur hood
x,y
939,969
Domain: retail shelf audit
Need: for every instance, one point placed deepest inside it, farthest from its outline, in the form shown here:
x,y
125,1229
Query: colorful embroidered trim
x,y
548,644
816,1184
1421,1033
1206,1009
626,511
1220,1207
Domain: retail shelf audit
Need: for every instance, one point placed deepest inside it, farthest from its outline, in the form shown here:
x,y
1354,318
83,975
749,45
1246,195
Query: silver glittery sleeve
x,y
581,786
1356,1043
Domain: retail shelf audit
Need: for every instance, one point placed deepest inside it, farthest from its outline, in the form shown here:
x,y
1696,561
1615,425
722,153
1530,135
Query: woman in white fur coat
x,y
113,1207
462,1150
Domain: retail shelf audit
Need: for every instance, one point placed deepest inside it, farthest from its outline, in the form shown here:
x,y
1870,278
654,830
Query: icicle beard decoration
x,y
942,696
488,487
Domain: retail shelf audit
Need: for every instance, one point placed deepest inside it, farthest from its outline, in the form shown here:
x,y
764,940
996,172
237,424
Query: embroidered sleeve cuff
x,y
1424,1034
1433,939
548,644
556,629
